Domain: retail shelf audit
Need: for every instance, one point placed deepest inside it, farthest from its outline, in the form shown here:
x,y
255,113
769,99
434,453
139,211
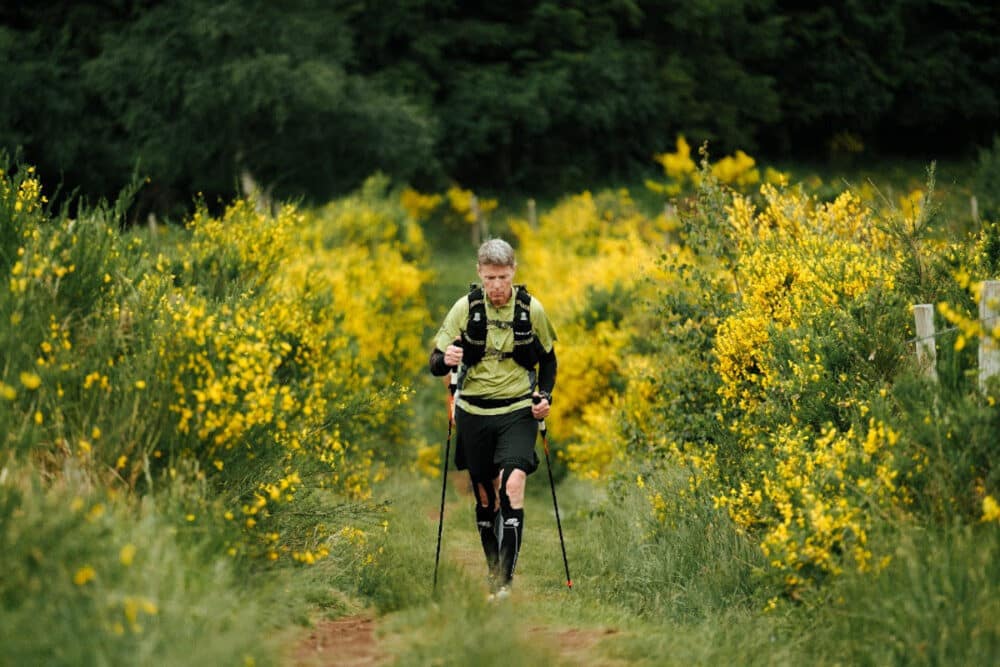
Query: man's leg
x,y
487,513
516,459
475,434
512,483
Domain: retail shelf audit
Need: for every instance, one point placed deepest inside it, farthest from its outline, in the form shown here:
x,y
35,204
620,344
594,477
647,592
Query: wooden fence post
x,y
532,214
923,317
989,351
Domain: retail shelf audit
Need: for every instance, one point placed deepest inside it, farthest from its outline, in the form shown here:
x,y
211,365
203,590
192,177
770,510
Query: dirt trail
x,y
352,641
345,642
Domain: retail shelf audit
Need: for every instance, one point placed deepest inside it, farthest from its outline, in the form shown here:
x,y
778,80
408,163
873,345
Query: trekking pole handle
x,y
535,400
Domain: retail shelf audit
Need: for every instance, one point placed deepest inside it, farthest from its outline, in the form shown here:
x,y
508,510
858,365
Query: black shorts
x,y
485,444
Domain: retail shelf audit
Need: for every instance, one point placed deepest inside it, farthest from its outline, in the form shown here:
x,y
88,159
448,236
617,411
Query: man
x,y
503,342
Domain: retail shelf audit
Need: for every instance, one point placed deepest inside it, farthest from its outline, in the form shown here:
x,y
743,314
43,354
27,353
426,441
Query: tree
x,y
196,91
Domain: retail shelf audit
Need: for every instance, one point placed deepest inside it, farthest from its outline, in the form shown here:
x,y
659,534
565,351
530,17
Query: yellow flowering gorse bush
x,y
810,493
738,170
304,365
593,285
265,354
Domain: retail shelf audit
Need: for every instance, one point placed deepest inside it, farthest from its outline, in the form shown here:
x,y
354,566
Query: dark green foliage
x,y
310,97
195,93
987,190
946,90
837,69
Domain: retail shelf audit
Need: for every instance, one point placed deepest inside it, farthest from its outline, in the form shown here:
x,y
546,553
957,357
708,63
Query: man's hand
x,y
453,354
540,405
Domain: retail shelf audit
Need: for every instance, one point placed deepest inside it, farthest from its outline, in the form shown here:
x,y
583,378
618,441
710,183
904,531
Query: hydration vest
x,y
474,337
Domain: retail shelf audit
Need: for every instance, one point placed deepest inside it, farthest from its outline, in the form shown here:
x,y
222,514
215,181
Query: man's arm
x,y
447,336
547,367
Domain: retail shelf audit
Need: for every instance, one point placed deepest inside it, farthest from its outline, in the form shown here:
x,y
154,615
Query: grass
x,y
622,605
645,593
132,585
936,604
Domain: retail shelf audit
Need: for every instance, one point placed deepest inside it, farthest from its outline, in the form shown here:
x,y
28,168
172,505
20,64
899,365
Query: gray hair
x,y
496,252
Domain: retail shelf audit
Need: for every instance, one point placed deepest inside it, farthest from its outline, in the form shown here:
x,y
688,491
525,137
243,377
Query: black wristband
x,y
437,365
546,395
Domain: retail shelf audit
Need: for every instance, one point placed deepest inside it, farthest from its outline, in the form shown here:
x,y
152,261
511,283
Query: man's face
x,y
498,282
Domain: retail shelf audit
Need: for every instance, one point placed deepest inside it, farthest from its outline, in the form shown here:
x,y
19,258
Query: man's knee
x,y
485,493
512,483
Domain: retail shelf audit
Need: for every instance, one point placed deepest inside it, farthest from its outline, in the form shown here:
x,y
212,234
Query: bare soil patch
x,y
574,645
345,642
351,642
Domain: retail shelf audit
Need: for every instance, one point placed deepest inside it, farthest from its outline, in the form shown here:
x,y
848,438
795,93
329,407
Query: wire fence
x,y
989,348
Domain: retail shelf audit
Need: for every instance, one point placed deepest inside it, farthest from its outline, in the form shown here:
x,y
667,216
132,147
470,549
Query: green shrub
x,y
987,181
92,578
666,552
935,604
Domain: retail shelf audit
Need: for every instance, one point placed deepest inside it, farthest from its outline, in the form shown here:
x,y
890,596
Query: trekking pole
x,y
452,385
552,485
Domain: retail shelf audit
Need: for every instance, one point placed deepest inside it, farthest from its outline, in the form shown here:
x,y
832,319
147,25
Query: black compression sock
x,y
486,522
510,542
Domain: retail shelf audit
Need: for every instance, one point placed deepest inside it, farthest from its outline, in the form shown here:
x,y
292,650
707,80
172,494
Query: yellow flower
x,y
95,512
991,509
83,575
678,165
31,381
127,555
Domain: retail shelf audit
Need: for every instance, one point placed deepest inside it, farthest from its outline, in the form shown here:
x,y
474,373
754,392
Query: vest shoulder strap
x,y
474,336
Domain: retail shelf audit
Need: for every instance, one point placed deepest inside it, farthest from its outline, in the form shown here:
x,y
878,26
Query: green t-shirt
x,y
495,377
